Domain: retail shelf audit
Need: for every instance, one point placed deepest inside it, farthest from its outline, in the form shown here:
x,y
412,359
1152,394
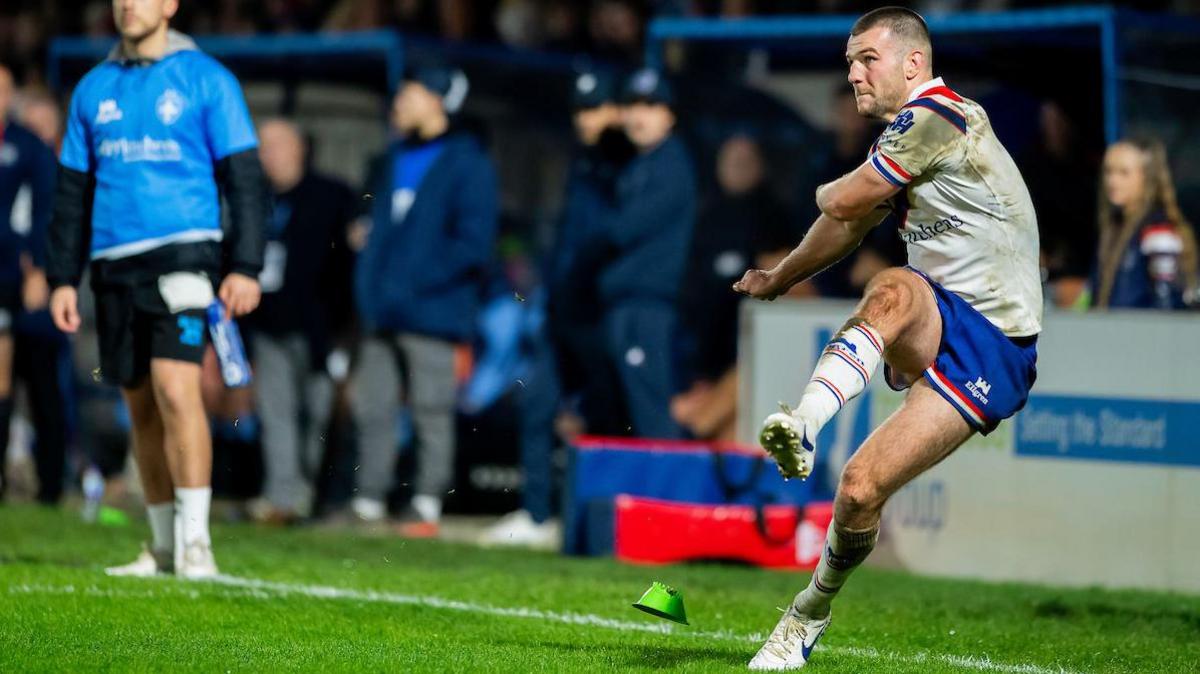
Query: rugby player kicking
x,y
958,327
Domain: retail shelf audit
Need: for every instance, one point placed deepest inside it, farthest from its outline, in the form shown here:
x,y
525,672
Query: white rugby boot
x,y
786,437
791,643
196,562
148,563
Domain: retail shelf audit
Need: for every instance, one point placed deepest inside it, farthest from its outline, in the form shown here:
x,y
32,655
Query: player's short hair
x,y
904,23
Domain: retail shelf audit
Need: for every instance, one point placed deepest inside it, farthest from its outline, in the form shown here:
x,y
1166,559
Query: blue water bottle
x,y
227,340
93,492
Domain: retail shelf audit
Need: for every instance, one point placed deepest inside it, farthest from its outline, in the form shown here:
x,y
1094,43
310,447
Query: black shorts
x,y
135,325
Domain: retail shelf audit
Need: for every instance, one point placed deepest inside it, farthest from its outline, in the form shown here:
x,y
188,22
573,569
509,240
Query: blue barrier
x,y
385,43
1107,22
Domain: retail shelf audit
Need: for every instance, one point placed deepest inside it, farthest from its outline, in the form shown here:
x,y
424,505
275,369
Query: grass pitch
x,y
309,600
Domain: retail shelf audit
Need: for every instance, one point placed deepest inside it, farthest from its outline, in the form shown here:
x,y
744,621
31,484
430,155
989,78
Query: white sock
x,y
193,504
843,371
428,507
844,550
162,526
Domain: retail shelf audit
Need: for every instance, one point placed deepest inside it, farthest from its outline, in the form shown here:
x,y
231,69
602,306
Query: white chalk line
x,y
233,586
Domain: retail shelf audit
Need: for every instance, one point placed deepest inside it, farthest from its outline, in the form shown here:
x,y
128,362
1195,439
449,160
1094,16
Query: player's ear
x,y
170,7
915,63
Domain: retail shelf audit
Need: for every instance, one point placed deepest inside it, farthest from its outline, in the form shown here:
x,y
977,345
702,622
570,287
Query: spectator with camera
x,y
645,237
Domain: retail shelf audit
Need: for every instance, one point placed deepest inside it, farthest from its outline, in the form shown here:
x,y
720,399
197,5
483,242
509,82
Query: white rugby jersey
x,y
964,210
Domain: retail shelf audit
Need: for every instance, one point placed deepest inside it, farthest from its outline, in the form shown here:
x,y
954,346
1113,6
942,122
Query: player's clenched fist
x,y
759,284
64,308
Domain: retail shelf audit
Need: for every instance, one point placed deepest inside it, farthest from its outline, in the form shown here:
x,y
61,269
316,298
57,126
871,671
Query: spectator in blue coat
x,y
646,236
418,283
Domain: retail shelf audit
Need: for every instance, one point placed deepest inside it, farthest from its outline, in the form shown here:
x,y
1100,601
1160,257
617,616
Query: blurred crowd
x,y
391,319
612,29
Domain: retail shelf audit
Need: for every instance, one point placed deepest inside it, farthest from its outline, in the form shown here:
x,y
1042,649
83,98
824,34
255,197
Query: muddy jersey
x,y
965,213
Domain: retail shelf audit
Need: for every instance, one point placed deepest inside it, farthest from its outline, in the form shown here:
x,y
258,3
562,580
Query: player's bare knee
x,y
887,301
175,396
858,495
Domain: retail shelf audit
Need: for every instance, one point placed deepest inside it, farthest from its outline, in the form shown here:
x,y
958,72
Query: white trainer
x,y
148,563
791,644
197,562
785,437
519,530
368,509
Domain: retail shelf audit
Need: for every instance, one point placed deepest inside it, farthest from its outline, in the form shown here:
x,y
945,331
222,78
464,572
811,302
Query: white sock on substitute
x,y
843,371
162,526
193,504
428,507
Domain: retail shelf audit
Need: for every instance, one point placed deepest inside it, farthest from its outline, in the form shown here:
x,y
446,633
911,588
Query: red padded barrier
x,y
661,532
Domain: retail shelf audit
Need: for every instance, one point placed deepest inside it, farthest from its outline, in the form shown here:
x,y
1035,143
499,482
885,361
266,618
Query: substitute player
x,y
155,134
958,327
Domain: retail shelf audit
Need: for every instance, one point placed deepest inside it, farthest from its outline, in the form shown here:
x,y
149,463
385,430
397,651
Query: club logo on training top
x,y
169,106
108,111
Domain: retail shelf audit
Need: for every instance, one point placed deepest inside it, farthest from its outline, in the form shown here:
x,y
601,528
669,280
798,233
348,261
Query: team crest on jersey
x,y
108,111
903,121
169,106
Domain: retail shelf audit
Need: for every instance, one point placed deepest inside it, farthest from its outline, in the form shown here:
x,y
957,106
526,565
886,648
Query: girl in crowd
x,y
1147,255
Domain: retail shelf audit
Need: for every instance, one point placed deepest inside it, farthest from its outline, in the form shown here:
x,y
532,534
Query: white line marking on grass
x,y
234,586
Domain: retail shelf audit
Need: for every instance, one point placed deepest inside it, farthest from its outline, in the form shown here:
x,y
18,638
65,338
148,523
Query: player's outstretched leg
x,y
921,433
896,312
898,319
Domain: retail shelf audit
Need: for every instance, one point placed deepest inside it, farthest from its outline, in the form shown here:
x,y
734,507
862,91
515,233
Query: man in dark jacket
x,y
27,169
743,223
306,286
647,235
417,285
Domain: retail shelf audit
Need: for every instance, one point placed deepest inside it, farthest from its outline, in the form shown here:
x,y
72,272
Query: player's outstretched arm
x,y
827,241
